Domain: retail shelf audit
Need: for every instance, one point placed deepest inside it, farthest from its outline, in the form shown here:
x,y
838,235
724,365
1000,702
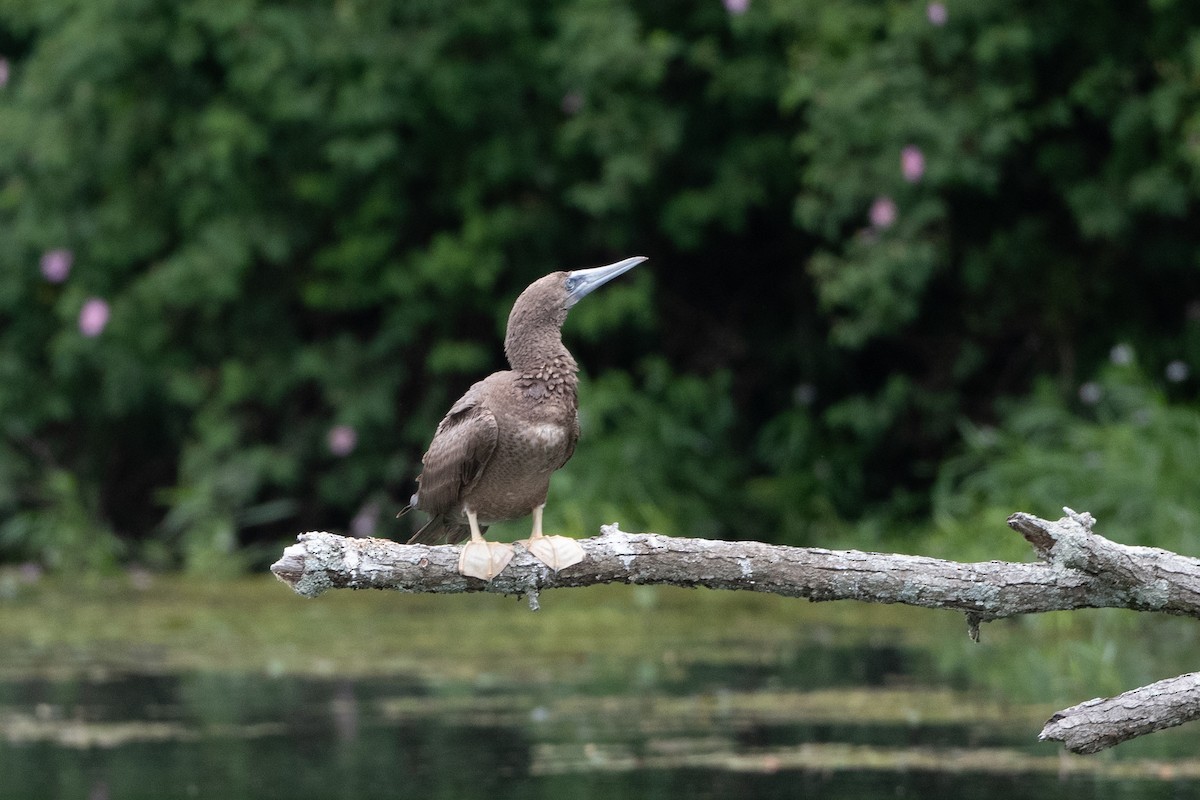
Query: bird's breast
x,y
545,436
540,446
518,474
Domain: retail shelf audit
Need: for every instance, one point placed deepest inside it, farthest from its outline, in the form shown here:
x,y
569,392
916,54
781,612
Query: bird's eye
x,y
573,282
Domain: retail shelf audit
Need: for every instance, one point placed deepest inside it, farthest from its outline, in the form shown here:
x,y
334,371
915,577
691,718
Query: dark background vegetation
x,y
308,221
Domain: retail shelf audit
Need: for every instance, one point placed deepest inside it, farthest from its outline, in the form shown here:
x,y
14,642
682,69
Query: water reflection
x,y
735,733
177,692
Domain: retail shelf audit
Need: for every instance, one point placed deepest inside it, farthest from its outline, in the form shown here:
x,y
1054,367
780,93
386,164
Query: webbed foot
x,y
556,552
484,560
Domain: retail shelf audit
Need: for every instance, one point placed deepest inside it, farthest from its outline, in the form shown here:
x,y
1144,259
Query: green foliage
x,y
306,222
1103,145
58,526
1061,174
654,455
1122,452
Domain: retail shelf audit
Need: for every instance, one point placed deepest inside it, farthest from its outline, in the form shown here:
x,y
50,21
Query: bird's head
x,y
546,301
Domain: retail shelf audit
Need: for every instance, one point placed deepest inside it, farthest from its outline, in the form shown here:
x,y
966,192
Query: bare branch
x,y
985,590
1078,569
1158,580
1106,721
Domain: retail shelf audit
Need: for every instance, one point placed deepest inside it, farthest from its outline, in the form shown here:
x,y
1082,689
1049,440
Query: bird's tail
x,y
444,528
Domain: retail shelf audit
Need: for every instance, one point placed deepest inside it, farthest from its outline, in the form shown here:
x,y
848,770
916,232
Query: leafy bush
x,y
252,250
1120,451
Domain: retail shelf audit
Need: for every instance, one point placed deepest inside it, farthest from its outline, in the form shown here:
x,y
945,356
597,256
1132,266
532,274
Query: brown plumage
x,y
494,451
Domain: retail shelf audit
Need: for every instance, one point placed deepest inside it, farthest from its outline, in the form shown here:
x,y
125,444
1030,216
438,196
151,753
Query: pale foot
x,y
556,552
484,560
479,558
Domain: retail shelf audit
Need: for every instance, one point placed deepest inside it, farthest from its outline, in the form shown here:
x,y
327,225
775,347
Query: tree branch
x,y
1078,569
1157,580
1106,721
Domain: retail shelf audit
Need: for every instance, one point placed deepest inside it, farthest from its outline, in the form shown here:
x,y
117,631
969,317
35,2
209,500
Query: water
x,y
652,695
229,736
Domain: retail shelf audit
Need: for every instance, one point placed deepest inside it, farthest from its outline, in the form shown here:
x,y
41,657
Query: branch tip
x,y
1085,519
1035,530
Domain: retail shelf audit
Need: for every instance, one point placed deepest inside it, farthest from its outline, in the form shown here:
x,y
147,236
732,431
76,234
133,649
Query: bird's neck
x,y
539,355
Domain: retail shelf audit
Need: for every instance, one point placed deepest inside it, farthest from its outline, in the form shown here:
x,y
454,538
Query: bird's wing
x,y
572,438
465,440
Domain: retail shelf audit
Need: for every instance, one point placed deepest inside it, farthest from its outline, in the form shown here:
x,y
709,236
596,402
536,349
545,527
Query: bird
x,y
493,453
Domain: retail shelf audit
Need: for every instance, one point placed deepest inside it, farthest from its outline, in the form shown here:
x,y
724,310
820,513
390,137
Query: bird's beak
x,y
582,282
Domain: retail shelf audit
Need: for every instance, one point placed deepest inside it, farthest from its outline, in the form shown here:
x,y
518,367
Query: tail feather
x,y
444,528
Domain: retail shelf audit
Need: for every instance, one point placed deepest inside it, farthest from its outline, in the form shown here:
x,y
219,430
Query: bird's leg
x,y
556,552
482,559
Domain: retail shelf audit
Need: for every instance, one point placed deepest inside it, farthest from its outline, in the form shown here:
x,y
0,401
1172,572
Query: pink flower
x,y
912,163
3,72
342,440
572,102
937,13
736,6
56,265
93,317
365,521
883,213
1121,354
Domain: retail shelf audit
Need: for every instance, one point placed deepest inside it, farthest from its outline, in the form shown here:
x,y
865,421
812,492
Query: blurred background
x,y
913,266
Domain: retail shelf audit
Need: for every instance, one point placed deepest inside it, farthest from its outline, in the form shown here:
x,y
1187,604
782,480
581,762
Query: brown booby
x,y
494,451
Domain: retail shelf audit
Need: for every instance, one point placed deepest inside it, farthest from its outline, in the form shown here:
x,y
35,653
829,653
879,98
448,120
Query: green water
x,y
175,689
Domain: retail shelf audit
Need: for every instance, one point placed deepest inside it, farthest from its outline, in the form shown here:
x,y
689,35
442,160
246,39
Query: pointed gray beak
x,y
582,282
